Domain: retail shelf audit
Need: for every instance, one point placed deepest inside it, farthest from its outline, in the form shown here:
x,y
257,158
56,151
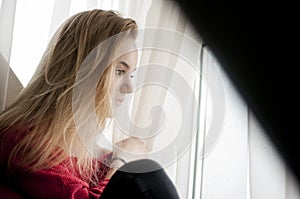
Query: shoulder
x,y
59,181
8,141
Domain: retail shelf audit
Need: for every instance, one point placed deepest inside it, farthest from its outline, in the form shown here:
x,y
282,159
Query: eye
x,y
132,74
120,71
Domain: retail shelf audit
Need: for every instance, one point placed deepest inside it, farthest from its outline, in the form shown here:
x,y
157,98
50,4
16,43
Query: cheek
x,y
115,86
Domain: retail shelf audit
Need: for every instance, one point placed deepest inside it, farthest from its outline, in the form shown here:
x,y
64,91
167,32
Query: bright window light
x,y
30,38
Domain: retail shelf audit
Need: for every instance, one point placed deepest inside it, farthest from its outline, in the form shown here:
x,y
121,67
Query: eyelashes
x,y
121,72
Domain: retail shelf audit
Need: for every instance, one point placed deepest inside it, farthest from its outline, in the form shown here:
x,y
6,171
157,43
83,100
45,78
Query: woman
x,y
42,153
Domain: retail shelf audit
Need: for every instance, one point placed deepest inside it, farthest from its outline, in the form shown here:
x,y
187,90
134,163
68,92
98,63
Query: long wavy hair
x,y
44,107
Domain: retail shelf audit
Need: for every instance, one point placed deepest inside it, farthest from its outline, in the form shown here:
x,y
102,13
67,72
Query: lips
x,y
120,99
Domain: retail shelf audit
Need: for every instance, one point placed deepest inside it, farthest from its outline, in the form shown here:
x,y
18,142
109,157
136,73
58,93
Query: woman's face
x,y
122,84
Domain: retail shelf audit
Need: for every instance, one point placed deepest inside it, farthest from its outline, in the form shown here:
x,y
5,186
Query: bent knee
x,y
141,166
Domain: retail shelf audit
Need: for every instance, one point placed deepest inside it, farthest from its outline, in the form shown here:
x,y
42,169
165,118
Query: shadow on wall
x,y
10,86
255,42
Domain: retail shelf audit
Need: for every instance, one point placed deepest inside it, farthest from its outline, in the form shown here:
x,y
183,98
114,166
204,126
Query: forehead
x,y
130,58
127,51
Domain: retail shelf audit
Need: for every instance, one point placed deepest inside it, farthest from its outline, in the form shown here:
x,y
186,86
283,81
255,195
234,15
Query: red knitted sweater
x,y
60,181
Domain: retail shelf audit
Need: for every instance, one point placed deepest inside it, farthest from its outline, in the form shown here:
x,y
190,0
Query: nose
x,y
126,85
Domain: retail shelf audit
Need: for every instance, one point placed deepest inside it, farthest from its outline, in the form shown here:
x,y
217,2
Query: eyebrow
x,y
124,64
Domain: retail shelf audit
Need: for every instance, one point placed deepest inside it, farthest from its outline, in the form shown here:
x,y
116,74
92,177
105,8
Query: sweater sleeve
x,y
53,184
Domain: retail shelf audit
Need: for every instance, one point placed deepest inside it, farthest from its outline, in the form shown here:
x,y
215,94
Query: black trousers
x,y
144,179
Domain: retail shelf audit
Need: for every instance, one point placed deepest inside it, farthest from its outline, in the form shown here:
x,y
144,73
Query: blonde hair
x,y
44,108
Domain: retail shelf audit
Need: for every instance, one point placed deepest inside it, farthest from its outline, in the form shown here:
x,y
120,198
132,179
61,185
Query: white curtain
x,y
7,14
237,162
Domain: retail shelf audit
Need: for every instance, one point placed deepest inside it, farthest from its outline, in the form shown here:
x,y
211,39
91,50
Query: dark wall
x,y
255,42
